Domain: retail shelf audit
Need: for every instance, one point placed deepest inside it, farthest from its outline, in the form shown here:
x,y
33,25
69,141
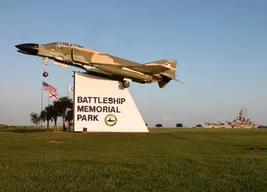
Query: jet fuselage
x,y
102,64
65,54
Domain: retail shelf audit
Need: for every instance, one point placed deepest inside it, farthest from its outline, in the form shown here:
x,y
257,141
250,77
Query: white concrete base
x,y
102,105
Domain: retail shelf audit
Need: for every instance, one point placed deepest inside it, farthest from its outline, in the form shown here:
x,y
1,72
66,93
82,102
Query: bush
x,y
179,125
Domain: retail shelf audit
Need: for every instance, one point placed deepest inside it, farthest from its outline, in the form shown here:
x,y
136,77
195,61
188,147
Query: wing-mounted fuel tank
x,y
58,63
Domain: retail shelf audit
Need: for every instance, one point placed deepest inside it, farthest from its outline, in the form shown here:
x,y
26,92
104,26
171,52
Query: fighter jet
x,y
102,64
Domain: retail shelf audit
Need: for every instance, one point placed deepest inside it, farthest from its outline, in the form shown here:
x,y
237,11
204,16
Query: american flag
x,y
48,87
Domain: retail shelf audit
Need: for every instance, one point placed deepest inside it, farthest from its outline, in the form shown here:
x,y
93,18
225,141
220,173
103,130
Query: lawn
x,y
162,160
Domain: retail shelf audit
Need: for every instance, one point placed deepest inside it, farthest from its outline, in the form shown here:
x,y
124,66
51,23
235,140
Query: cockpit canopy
x,y
64,44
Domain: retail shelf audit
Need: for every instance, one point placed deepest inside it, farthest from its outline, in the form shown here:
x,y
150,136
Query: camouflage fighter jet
x,y
102,64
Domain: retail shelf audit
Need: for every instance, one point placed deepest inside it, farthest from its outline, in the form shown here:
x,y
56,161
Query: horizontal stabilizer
x,y
162,84
165,81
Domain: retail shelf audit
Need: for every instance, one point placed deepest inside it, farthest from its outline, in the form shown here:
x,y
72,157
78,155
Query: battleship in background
x,y
239,122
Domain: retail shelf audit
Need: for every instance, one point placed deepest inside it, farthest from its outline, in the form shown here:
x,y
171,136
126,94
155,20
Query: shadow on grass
x,y
23,130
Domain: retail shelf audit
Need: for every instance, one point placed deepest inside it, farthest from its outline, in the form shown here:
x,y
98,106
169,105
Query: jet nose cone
x,y
28,48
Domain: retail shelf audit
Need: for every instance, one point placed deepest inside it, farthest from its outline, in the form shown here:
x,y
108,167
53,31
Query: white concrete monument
x,y
103,105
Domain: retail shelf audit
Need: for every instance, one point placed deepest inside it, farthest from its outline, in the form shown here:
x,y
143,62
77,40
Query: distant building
x,y
239,122
3,124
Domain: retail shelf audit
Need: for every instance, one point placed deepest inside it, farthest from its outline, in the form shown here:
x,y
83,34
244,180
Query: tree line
x,y
63,107
178,125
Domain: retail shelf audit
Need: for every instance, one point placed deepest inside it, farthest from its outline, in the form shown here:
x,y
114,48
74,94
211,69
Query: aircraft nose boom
x,y
29,48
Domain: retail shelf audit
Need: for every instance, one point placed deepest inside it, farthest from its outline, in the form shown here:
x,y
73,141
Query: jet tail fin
x,y
169,74
170,64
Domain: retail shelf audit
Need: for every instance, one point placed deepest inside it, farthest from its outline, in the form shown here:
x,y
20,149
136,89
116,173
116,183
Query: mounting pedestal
x,y
103,105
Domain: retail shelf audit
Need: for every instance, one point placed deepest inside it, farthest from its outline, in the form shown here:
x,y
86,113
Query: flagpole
x,y
68,90
41,104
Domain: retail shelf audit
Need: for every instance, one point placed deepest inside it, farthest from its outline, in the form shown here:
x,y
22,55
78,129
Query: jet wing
x,y
149,69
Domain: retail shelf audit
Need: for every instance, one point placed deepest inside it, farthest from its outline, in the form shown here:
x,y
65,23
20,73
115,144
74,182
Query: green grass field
x,y
162,160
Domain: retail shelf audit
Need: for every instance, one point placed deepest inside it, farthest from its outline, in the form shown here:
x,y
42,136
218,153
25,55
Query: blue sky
x,y
220,47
